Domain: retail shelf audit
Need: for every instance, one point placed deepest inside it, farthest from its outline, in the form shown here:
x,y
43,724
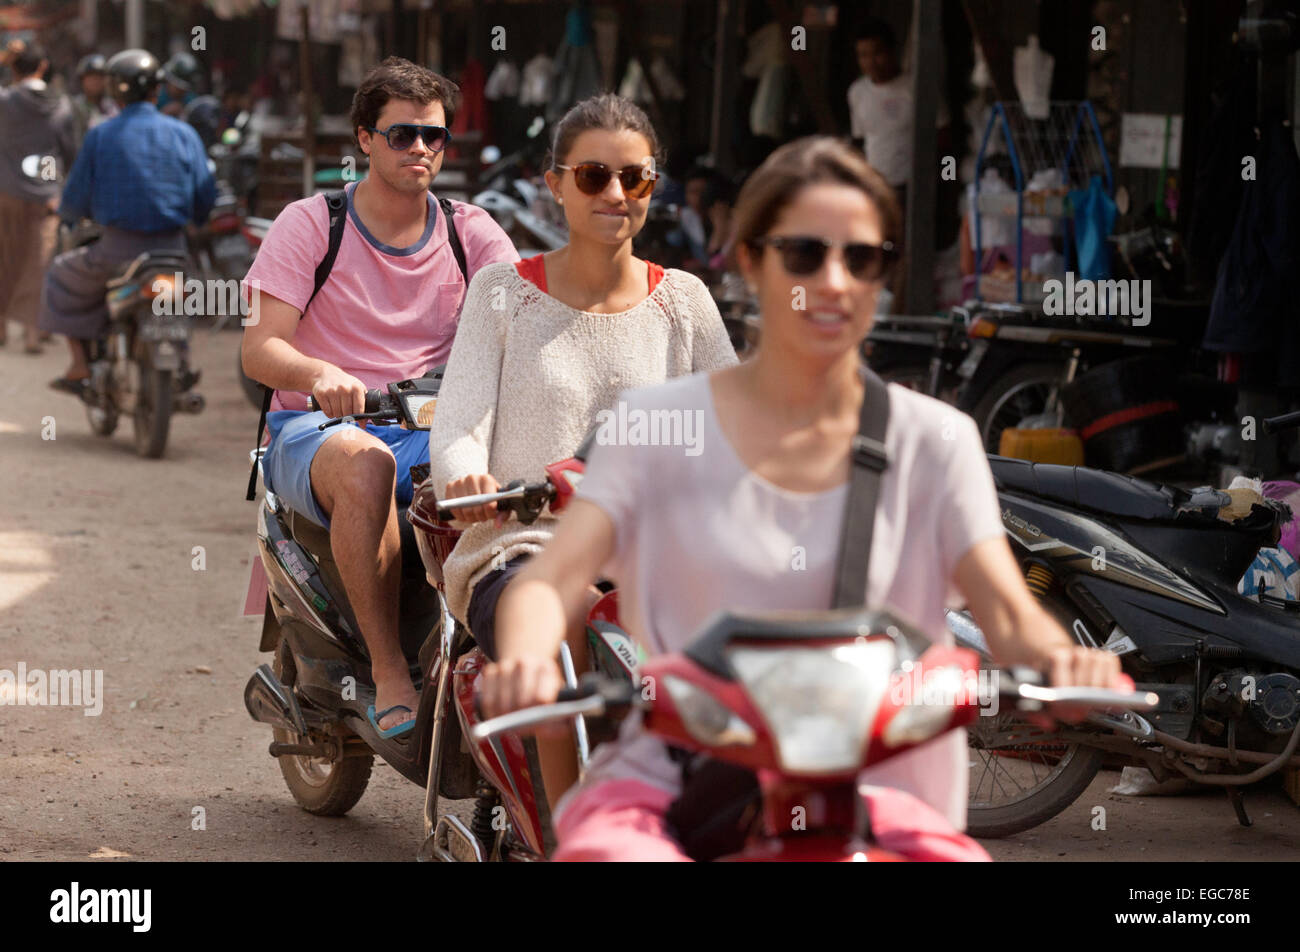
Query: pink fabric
x,y
619,821
905,825
385,313
623,821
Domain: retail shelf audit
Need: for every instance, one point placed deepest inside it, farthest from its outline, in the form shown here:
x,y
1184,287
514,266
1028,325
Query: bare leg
x,y
558,756
353,475
78,369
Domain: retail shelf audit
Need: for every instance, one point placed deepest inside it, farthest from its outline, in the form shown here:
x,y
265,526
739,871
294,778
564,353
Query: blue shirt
x,y
140,171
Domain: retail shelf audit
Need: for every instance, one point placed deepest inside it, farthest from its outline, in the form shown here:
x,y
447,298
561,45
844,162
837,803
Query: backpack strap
x,y
453,239
337,203
869,462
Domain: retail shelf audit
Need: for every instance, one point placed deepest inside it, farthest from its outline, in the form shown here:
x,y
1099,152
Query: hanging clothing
x,y
765,61
472,115
1033,76
503,82
666,80
577,73
535,83
1255,308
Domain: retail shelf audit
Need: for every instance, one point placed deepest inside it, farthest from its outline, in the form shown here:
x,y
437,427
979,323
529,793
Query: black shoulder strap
x,y
337,203
869,464
449,213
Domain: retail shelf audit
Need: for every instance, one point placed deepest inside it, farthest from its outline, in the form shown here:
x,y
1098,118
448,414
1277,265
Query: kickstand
x,y
1238,802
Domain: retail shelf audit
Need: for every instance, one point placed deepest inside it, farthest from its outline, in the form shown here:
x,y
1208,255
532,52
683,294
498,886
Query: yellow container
x,y
1043,446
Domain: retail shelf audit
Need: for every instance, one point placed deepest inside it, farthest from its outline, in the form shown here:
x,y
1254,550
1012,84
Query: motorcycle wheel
x,y
153,408
1015,787
1022,393
103,420
252,389
318,785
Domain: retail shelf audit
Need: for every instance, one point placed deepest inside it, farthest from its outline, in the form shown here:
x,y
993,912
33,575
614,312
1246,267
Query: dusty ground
x,y
97,571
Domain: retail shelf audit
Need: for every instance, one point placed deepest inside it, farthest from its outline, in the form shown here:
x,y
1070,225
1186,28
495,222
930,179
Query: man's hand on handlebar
x,y
338,394
473,486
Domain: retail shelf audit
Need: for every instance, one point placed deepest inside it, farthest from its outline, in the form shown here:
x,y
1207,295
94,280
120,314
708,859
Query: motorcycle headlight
x,y
419,408
704,718
818,702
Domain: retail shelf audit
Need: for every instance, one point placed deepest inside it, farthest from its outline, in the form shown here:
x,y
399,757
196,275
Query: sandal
x,y
68,385
395,731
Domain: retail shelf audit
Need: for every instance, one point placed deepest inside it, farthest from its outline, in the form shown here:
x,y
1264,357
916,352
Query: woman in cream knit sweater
x,y
544,345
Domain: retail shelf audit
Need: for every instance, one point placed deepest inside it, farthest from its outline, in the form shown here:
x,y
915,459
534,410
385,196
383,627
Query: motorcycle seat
x,y
1079,487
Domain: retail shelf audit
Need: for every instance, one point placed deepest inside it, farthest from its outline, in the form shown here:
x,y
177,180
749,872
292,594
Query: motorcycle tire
x,y
319,786
153,408
103,420
995,411
1074,769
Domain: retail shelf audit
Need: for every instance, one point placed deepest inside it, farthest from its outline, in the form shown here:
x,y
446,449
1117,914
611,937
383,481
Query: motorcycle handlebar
x,y
375,402
1285,421
597,695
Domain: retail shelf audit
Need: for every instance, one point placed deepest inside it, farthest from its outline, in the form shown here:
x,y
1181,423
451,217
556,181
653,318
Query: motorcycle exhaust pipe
x,y
188,402
270,702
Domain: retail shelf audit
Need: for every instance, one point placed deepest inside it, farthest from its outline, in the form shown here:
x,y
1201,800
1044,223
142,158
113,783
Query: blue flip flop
x,y
396,731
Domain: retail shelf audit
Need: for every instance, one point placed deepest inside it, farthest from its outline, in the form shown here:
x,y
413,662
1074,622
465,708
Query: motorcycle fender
x,y
163,355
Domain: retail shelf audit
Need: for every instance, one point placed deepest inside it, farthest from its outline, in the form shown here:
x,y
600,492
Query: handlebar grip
x,y
1285,421
374,401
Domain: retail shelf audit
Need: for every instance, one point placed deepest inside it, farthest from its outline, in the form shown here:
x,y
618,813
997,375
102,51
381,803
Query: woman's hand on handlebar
x,y
472,486
1077,666
338,394
524,681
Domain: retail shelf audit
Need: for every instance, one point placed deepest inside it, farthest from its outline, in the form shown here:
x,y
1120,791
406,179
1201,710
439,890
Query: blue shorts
x,y
295,439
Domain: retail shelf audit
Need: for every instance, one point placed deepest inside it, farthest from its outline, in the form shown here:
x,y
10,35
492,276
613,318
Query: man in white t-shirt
x,y
881,107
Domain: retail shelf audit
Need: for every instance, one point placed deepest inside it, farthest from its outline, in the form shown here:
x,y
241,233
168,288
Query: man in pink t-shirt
x,y
388,311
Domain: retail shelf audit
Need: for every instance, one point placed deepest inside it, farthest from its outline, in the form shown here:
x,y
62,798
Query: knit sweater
x,y
527,376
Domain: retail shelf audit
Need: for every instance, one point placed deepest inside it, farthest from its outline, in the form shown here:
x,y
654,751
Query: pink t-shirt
x,y
385,313
697,532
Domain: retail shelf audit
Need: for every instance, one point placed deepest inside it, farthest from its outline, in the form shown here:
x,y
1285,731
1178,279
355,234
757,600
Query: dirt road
x,y
138,568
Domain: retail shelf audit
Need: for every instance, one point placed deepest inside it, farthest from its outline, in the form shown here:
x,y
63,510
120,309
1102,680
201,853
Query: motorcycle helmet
x,y
182,71
92,63
133,75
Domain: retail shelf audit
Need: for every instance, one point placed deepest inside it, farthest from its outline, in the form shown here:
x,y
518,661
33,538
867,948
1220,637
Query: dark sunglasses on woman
x,y
805,254
592,178
401,136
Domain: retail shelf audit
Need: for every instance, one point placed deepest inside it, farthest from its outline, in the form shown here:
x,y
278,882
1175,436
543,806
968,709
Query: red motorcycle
x,y
507,763
806,701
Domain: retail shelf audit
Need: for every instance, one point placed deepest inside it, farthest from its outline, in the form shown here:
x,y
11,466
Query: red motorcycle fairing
x,y
895,726
502,759
605,609
565,476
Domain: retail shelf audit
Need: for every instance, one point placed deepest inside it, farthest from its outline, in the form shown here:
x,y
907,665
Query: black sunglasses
x,y
401,136
804,255
638,181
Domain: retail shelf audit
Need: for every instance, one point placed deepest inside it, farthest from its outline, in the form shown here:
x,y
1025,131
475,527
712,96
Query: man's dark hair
x,y
29,60
397,78
877,29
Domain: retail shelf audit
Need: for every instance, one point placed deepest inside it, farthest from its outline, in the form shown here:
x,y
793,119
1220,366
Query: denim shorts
x,y
295,439
482,614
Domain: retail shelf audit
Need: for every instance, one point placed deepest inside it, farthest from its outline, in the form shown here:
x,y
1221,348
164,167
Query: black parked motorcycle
x,y
1150,573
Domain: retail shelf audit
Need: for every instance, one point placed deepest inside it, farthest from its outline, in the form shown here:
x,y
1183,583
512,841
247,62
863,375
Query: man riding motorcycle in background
x,y
141,176
91,103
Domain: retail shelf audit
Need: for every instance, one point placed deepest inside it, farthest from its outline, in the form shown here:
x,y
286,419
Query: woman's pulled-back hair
x,y
814,160
606,111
